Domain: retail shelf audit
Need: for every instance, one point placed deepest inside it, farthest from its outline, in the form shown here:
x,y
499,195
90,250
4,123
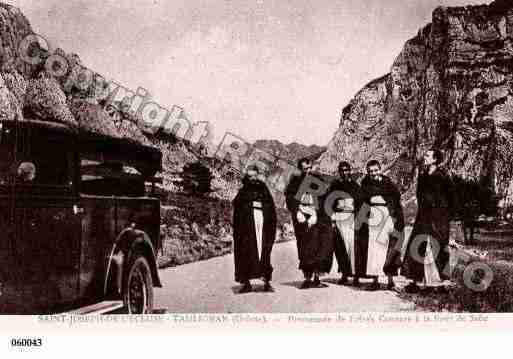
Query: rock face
x,y
451,87
92,117
10,107
291,152
14,27
47,101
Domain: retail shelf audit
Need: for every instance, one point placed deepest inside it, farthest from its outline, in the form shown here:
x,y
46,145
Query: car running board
x,y
98,308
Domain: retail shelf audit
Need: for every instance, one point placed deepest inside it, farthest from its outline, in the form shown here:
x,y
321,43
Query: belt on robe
x,y
378,205
257,205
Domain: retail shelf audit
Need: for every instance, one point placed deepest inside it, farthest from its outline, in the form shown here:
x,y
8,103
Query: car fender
x,y
129,242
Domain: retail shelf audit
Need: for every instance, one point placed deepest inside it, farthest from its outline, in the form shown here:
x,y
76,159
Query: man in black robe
x,y
385,225
254,231
344,201
427,254
312,225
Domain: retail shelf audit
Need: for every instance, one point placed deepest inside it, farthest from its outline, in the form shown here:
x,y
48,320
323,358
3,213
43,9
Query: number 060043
x,y
26,342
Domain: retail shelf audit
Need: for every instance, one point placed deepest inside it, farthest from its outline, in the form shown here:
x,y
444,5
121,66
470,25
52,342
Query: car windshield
x,y
6,153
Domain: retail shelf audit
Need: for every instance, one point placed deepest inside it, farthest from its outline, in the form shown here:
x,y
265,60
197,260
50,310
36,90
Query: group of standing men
x,y
362,224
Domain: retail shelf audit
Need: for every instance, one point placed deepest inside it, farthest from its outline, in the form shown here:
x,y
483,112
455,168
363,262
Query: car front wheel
x,y
138,288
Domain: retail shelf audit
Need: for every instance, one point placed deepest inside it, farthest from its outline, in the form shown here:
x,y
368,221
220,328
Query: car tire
x,y
138,287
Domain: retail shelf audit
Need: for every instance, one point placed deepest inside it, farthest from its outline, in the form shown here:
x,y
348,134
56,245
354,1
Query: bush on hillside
x,y
196,178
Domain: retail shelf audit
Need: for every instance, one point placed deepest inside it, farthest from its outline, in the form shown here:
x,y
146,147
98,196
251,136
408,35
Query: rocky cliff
x,y
451,87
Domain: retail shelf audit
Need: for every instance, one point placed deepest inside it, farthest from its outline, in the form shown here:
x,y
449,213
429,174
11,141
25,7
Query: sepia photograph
x,y
339,163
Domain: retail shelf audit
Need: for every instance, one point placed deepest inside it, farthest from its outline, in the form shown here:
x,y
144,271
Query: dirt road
x,y
208,287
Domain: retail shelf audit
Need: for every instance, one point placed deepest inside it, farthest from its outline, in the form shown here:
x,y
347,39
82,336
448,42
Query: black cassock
x,y
385,230
435,203
248,263
314,242
349,230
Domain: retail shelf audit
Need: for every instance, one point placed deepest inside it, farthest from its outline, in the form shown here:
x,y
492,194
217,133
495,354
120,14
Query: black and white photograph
x,y
281,162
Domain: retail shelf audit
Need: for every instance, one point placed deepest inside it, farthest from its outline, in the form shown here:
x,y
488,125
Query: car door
x,y
48,247
98,209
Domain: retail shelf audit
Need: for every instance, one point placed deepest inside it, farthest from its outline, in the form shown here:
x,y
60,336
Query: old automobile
x,y
78,225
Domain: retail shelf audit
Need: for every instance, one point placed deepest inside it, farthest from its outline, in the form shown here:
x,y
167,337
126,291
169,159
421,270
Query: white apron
x,y
431,274
345,225
258,217
381,226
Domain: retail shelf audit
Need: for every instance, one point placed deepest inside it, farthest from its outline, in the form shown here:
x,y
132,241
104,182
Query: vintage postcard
x,y
177,166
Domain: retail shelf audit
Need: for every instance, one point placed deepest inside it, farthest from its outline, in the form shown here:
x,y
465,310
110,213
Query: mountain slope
x,y
291,152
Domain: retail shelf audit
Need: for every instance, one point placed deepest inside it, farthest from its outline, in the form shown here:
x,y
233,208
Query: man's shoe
x,y
306,284
318,284
246,288
342,280
412,288
442,290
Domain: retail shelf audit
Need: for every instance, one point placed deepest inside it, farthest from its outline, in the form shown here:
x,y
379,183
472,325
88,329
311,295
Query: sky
x,y
259,69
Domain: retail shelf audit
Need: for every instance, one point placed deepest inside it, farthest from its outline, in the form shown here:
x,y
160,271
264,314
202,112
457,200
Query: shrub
x,y
197,178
